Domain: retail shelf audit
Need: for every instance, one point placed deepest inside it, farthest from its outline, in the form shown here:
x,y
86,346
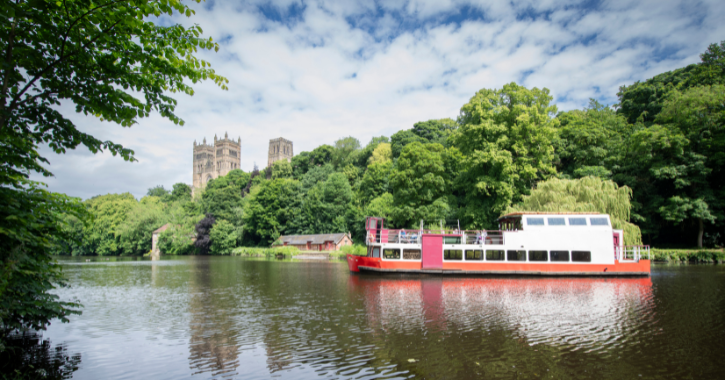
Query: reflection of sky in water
x,y
591,314
201,317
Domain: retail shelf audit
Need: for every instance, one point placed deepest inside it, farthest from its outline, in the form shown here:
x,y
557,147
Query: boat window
x,y
584,256
577,221
556,221
391,253
411,254
535,221
376,252
452,254
474,254
537,256
517,255
559,255
599,221
494,255
451,240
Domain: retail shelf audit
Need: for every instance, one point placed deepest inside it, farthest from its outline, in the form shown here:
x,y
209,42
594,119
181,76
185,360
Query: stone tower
x,y
279,149
212,161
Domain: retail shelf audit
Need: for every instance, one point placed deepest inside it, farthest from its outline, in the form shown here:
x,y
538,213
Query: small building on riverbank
x,y
321,242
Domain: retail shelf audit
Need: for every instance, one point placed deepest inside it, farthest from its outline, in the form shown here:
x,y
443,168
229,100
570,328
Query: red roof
x,y
162,228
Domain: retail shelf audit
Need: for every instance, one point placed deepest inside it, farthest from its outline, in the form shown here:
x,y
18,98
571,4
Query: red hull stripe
x,y
641,268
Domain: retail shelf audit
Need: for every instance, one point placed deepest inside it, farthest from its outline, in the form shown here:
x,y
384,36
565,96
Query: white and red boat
x,y
527,243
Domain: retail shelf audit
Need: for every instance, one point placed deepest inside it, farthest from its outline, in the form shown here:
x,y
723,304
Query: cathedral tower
x,y
279,149
213,161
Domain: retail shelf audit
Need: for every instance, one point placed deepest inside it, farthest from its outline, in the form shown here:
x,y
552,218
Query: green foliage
x,y
588,194
322,155
109,213
180,192
157,191
643,101
401,139
31,227
327,207
266,252
110,61
268,211
375,181
419,185
505,137
356,249
134,235
689,255
382,154
223,195
176,240
281,169
344,147
223,238
435,131
590,141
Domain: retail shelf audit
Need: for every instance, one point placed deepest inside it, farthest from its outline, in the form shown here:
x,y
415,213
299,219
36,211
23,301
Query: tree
x,y
375,181
642,101
223,195
203,231
381,154
343,148
180,192
134,235
435,131
400,139
505,137
223,238
281,169
322,155
588,194
418,183
31,224
590,141
327,206
268,211
698,114
157,191
112,62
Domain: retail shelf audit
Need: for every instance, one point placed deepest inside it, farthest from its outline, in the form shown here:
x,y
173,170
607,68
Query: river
x,y
230,317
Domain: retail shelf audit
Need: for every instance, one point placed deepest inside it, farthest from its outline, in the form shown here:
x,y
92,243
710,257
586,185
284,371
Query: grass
x,y
697,255
265,252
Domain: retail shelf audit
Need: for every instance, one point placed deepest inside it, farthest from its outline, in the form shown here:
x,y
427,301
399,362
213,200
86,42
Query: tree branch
x,y
6,76
40,74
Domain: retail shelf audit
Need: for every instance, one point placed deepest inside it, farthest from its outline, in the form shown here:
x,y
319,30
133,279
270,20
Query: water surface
x,y
228,317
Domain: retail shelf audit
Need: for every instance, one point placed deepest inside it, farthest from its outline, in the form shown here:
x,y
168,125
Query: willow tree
x,y
588,194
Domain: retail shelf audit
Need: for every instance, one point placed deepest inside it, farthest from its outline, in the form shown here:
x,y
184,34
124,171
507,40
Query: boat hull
x,y
377,265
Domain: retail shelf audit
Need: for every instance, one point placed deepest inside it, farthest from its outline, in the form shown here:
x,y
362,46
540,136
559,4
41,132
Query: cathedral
x,y
279,149
212,161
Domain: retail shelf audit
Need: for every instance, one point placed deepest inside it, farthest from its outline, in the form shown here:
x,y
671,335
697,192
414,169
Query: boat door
x,y
432,252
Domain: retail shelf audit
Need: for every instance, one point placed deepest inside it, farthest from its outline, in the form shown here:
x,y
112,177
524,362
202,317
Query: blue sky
x,y
315,71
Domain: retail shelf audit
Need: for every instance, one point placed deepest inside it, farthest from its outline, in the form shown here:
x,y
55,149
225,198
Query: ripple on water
x,y
230,318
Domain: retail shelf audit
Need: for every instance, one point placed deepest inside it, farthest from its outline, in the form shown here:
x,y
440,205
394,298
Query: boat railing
x,y
632,253
471,237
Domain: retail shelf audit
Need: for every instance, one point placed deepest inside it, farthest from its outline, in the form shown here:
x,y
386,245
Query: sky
x,y
315,71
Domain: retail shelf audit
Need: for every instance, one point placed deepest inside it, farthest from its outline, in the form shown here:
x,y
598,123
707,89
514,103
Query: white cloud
x,y
316,77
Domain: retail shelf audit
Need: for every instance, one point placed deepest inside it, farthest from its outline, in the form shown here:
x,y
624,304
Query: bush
x,y
689,255
223,237
268,252
177,241
357,250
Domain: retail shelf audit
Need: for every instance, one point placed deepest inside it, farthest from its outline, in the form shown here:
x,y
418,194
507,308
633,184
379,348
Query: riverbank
x,y
695,255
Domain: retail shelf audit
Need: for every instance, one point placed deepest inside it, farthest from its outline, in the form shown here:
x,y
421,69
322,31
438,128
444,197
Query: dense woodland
x,y
662,148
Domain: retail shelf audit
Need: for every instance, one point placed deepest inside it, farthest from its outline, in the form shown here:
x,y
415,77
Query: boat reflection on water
x,y
577,313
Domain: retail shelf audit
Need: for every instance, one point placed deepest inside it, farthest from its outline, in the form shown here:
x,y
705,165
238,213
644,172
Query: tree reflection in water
x,y
212,346
28,356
